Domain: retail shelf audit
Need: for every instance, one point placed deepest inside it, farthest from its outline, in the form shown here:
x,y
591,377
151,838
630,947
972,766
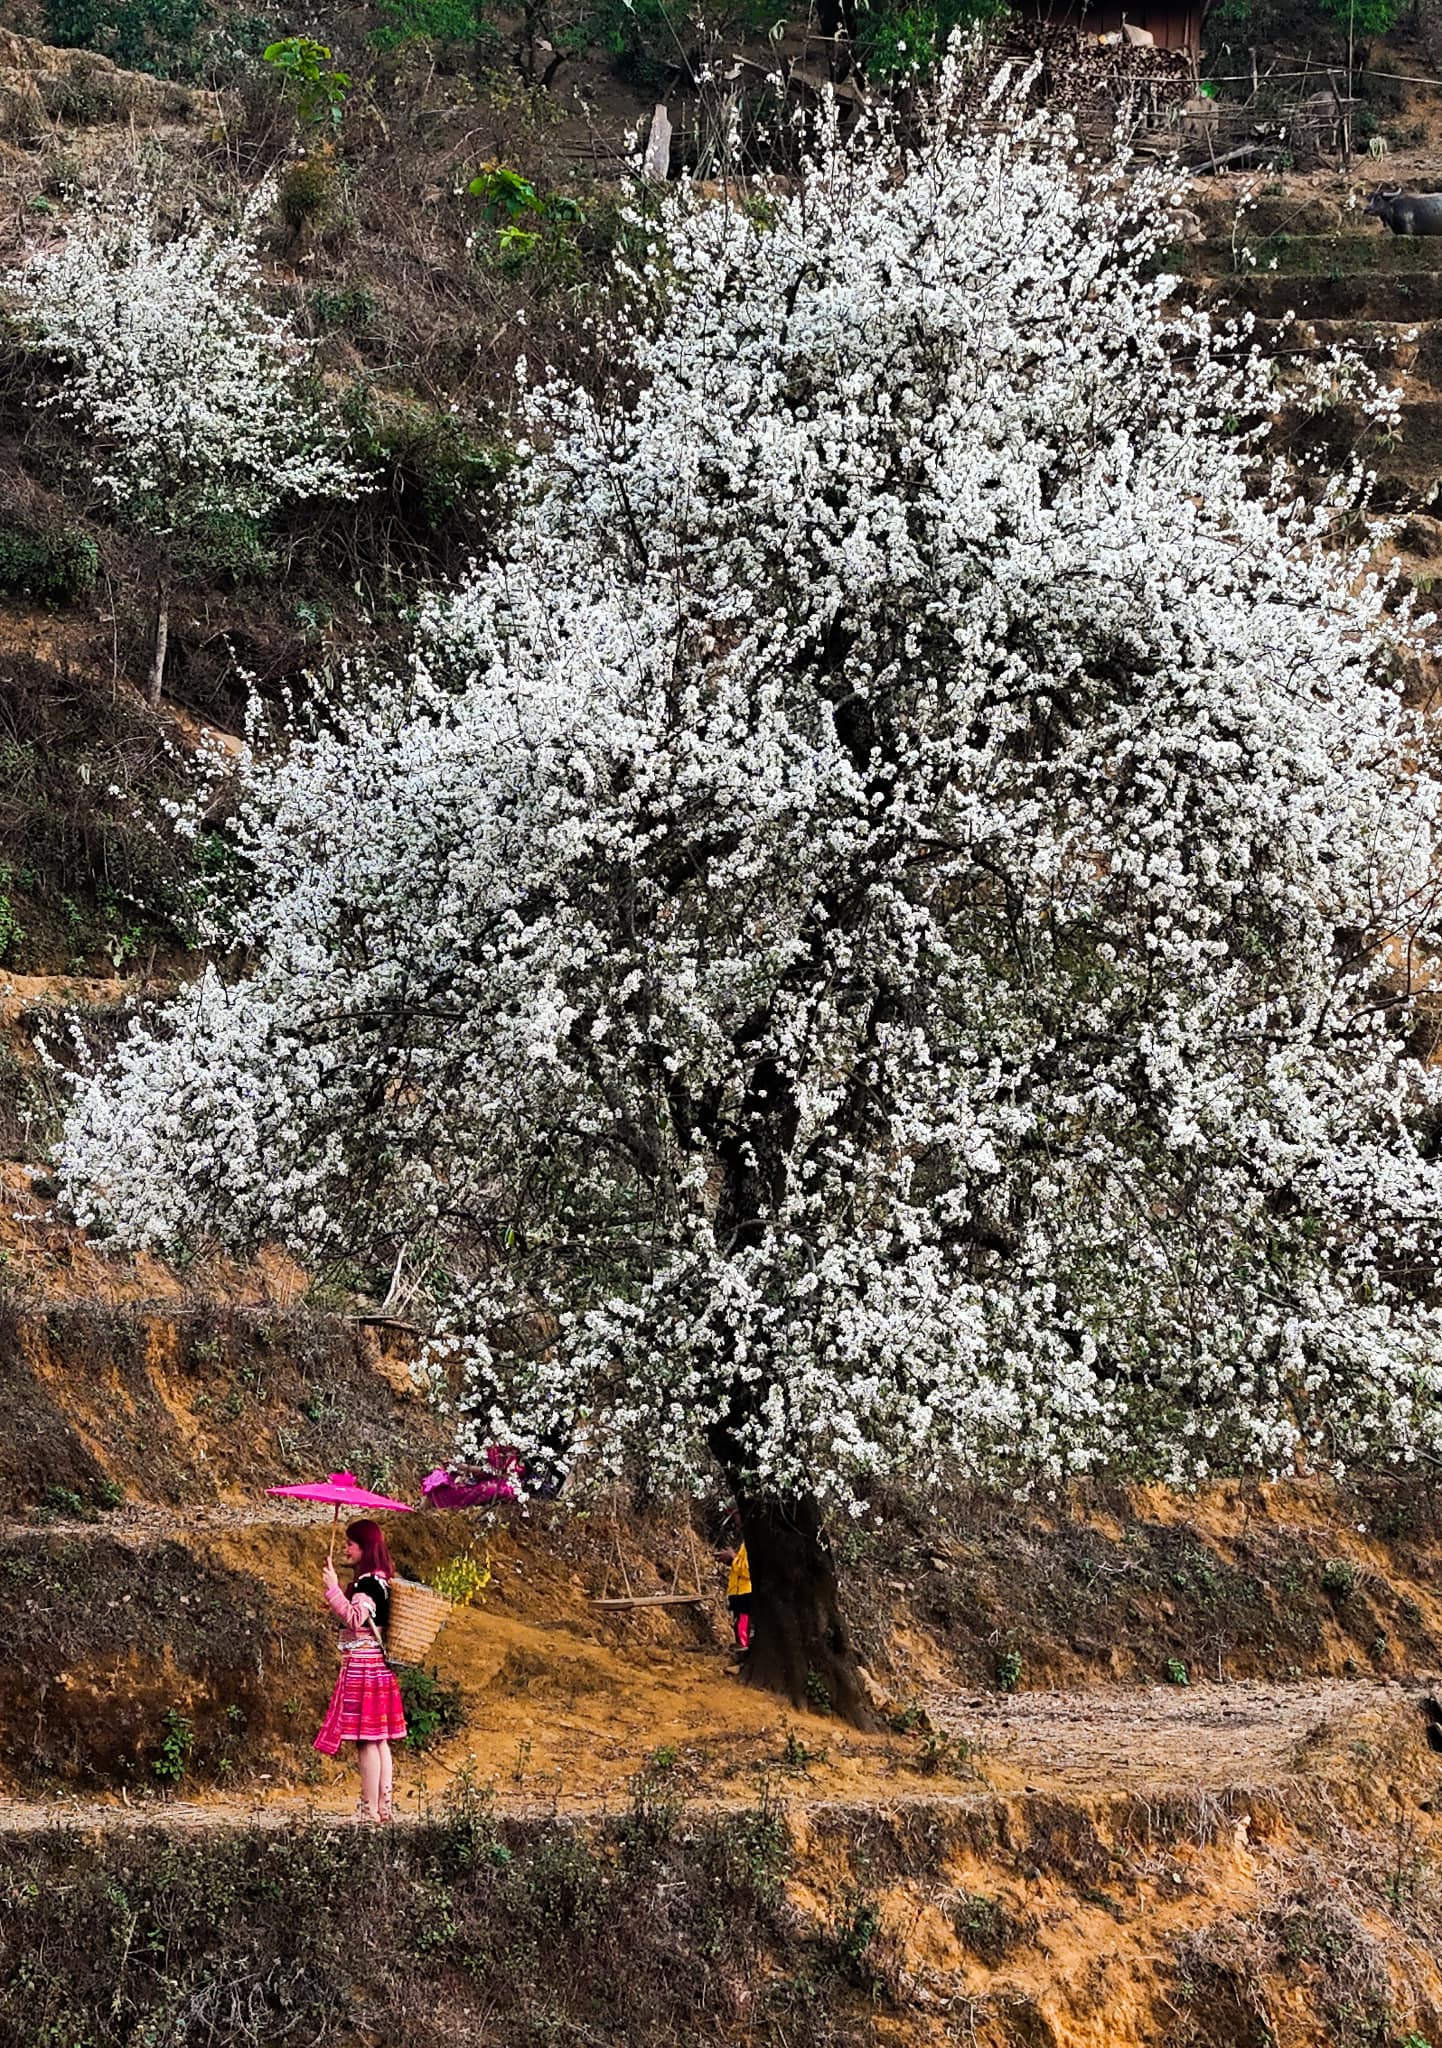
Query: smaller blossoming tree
x,y
189,391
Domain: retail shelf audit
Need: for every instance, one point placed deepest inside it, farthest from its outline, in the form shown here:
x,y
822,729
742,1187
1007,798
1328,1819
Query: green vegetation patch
x,y
515,1933
87,882
142,35
51,568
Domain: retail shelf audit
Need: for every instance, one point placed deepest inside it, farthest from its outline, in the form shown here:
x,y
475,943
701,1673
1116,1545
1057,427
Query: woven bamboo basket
x,y
414,1622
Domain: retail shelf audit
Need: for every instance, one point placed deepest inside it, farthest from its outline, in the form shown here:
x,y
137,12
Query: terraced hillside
x,y
1314,275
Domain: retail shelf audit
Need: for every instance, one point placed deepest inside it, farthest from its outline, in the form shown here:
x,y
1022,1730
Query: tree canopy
x,y
884,933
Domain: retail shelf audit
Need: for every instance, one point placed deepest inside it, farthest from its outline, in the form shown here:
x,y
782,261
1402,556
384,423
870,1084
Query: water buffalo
x,y
1407,213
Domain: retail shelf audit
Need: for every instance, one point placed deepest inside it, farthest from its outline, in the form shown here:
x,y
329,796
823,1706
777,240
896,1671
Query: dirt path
x,y
1110,1742
1118,1739
142,1522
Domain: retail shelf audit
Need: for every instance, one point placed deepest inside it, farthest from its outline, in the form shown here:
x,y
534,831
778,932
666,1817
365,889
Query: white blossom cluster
x,y
191,391
883,935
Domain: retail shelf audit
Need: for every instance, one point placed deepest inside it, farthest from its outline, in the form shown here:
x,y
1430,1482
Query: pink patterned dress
x,y
366,1703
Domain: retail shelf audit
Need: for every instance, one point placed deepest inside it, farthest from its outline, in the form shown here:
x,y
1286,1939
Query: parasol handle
x,y
334,1521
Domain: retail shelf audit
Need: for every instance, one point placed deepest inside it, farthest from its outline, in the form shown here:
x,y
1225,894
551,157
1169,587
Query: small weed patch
x,y
177,1740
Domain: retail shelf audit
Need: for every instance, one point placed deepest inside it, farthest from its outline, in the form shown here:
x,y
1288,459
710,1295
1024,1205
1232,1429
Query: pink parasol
x,y
342,1490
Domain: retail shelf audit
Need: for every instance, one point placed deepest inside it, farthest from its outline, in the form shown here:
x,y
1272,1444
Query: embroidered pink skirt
x,y
366,1703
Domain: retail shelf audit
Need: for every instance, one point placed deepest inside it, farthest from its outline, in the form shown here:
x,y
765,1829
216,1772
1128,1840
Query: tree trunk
x,y
162,636
799,1643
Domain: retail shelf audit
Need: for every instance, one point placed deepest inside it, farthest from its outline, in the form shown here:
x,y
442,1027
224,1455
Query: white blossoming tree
x,y
190,392
880,940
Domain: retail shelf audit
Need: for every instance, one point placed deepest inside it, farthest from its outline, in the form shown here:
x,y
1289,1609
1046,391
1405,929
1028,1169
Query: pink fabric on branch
x,y
443,1489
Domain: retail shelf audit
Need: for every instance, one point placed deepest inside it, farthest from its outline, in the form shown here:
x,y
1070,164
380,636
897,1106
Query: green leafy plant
x,y
177,1740
430,467
1007,1670
1177,1672
64,1504
1339,1577
50,568
944,1756
797,1757
854,1933
818,1693
434,1707
320,89
225,547
347,309
1363,17
532,228
504,194
232,1736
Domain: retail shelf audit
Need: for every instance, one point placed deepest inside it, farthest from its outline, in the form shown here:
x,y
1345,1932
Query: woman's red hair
x,y
374,1556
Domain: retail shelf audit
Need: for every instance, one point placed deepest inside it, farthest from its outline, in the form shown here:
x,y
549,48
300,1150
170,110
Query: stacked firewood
x,y
1087,75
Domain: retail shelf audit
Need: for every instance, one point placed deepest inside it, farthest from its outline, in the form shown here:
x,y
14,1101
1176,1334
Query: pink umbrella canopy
x,y
341,1490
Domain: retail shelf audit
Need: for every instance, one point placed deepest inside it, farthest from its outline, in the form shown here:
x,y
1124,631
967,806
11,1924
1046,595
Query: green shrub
x,y
11,929
433,1705
346,309
1007,1670
638,35
308,189
225,547
63,1504
944,1754
1321,29
158,36
51,568
177,1740
1177,1672
504,194
446,23
1339,1577
429,463
818,1693
854,1933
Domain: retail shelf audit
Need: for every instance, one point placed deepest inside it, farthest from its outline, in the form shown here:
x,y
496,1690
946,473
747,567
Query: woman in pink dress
x,y
365,1707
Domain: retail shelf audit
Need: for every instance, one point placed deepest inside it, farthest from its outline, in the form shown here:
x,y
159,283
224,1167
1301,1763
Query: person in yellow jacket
x,y
738,1598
